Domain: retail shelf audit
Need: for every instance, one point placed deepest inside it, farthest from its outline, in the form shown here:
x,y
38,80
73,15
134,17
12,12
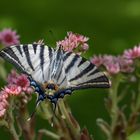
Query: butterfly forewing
x,y
58,74
31,59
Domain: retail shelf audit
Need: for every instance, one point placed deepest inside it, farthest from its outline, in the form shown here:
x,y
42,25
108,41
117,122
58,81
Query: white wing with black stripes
x,y
31,59
65,69
81,73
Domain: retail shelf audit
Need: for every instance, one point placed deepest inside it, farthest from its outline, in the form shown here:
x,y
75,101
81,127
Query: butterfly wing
x,y
64,68
32,59
81,73
57,73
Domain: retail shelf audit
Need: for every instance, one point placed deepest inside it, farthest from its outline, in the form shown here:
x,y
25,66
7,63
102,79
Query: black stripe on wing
x,y
26,51
97,81
50,52
83,60
35,47
10,56
85,71
41,55
92,85
63,80
71,64
58,64
66,56
19,49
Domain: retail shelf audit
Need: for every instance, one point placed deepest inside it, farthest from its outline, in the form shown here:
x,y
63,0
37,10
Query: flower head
x,y
23,82
20,81
9,37
126,65
12,77
132,53
111,63
17,84
114,64
97,60
74,42
13,89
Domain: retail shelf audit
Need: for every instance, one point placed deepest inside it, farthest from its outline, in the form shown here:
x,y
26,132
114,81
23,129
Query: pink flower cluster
x,y
9,37
113,64
16,85
74,43
132,53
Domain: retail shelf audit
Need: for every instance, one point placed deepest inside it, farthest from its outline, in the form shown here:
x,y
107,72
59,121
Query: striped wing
x,y
57,69
32,59
81,73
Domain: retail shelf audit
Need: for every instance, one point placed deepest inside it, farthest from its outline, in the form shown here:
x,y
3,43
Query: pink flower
x,y
85,46
19,80
3,103
126,65
9,37
2,112
17,84
23,82
111,64
12,77
3,95
108,59
29,90
132,53
97,60
74,42
113,68
13,89
114,64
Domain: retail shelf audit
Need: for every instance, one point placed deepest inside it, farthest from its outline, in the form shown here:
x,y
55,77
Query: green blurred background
x,y
111,25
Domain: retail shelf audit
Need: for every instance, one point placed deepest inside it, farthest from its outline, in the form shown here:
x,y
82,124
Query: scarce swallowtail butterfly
x,y
53,72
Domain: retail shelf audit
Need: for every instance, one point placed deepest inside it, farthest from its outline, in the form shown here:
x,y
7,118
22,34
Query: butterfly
x,y
54,73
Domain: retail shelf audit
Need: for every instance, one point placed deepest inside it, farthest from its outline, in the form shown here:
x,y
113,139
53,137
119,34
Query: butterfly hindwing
x,y
81,73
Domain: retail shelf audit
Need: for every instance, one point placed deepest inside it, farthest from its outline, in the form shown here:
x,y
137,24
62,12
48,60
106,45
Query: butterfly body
x,y
54,73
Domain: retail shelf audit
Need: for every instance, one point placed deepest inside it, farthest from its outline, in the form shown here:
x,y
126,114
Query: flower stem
x,y
47,133
11,120
114,97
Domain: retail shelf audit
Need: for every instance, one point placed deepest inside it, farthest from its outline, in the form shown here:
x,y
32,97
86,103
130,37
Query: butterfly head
x,y
50,87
